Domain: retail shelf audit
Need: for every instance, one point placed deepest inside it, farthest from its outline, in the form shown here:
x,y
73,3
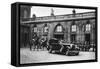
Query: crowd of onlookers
x,y
85,46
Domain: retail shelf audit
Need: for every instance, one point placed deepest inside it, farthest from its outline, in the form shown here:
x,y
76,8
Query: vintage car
x,y
64,48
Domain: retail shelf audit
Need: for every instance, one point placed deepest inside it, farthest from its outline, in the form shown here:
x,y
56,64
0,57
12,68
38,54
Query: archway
x,y
59,32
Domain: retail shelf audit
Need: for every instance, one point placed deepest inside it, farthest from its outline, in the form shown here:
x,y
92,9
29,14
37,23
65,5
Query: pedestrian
x,y
37,43
31,44
34,44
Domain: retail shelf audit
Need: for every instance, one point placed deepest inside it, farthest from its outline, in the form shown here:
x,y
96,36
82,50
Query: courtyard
x,y
27,56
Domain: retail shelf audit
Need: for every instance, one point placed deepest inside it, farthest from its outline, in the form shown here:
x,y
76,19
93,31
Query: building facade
x,y
73,28
24,29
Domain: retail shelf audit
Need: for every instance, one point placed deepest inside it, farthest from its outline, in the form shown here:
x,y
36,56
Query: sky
x,y
46,11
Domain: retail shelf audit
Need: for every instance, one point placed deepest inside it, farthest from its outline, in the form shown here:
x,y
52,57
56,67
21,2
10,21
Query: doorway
x,y
87,38
59,36
73,38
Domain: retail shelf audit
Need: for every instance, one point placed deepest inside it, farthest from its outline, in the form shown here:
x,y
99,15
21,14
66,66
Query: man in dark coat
x,y
37,43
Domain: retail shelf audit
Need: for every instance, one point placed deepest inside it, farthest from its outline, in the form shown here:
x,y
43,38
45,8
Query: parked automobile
x,y
64,48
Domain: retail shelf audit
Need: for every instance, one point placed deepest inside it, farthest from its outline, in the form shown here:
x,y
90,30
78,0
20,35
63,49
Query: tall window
x,y
73,28
59,28
88,27
45,28
35,28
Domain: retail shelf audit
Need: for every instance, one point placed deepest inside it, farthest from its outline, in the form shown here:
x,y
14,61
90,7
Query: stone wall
x,y
80,33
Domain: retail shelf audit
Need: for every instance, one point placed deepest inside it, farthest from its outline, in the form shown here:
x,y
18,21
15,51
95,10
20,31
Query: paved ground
x,y
27,56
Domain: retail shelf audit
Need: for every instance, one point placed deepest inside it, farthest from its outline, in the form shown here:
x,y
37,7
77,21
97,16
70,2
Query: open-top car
x,y
64,48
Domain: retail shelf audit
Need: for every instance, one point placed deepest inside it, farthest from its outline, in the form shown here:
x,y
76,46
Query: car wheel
x,y
67,53
77,53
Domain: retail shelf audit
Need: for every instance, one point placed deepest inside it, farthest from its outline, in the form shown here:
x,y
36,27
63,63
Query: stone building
x,y
24,29
76,27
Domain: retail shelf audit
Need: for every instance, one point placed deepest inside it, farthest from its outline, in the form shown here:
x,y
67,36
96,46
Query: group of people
x,y
38,43
86,46
42,44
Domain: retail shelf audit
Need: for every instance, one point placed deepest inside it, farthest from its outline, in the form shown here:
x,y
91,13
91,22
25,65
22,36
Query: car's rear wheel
x,y
77,53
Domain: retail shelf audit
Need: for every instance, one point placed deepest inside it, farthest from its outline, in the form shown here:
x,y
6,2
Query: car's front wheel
x,y
77,53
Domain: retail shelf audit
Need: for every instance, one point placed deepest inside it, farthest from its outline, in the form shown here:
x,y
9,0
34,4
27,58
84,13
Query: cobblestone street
x,y
27,56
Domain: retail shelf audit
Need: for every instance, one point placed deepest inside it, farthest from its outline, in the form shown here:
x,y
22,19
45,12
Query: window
x,y
45,29
73,28
59,29
35,28
88,27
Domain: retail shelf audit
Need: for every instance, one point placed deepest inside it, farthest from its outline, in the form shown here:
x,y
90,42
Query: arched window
x,y
88,26
73,27
59,31
59,28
